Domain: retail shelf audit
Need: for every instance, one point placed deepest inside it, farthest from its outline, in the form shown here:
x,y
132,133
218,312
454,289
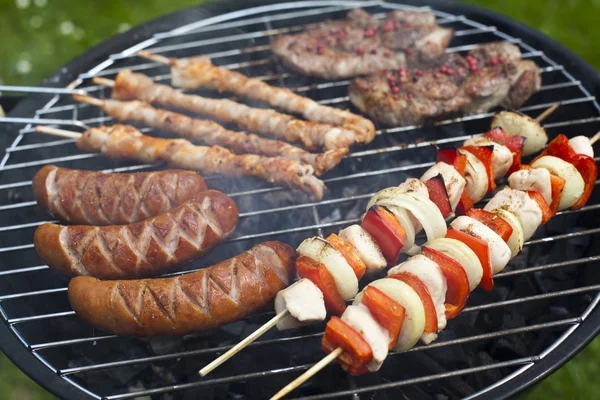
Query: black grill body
x,y
542,311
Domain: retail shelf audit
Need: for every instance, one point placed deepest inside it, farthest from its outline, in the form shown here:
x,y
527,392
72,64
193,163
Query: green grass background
x,y
38,36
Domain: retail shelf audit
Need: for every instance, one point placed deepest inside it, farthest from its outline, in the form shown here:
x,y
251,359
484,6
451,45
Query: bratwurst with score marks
x,y
180,305
96,198
145,248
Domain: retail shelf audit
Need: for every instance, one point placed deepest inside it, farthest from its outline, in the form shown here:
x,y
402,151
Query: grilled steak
x,y
492,74
361,44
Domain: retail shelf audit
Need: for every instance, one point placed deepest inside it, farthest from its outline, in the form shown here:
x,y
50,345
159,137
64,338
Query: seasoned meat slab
x,y
361,45
492,74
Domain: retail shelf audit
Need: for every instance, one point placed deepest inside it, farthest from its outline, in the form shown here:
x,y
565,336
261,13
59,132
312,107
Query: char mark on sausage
x,y
142,249
96,198
189,303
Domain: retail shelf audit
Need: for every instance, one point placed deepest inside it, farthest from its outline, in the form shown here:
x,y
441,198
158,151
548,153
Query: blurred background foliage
x,y
38,36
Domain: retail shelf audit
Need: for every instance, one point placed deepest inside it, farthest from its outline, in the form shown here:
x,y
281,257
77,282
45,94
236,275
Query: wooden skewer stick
x,y
154,57
241,345
57,132
548,111
308,374
103,81
595,138
89,100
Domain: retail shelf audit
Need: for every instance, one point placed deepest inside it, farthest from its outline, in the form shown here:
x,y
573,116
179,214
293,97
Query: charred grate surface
x,y
540,300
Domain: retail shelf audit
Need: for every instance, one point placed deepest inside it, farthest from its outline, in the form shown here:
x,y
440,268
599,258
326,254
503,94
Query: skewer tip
x,y
548,112
244,343
98,80
154,57
88,99
57,132
308,374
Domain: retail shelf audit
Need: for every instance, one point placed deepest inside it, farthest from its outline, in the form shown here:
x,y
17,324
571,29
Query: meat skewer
x,y
198,72
313,135
342,338
212,133
126,142
454,185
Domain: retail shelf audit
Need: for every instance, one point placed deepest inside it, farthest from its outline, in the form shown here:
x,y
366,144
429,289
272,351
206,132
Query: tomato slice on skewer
x,y
318,274
387,231
482,250
557,185
485,154
451,156
587,167
357,352
386,311
464,204
539,199
514,144
492,221
431,322
349,254
456,279
438,194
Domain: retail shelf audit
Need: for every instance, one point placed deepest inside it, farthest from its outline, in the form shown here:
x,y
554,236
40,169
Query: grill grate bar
x,y
300,368
560,293
468,31
437,344
427,378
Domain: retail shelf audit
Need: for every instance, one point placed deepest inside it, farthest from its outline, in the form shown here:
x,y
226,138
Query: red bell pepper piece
x,y
560,147
318,274
349,253
431,321
451,156
492,221
386,311
539,199
557,185
482,250
357,352
588,169
514,144
464,204
456,278
438,194
485,154
387,231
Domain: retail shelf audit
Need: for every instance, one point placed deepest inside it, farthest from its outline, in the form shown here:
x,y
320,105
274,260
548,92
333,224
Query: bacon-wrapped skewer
x,y
418,294
199,72
126,142
211,133
460,178
129,86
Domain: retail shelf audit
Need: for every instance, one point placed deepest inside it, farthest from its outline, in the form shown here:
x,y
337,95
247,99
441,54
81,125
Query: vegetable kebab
x,y
417,297
330,268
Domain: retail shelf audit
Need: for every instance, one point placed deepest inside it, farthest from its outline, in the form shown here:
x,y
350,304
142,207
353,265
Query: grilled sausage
x,y
95,198
142,249
187,303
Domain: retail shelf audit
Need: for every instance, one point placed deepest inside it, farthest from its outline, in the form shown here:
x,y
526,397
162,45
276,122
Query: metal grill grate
x,y
35,307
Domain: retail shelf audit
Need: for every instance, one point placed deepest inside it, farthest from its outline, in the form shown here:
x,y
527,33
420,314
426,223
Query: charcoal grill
x,y
542,311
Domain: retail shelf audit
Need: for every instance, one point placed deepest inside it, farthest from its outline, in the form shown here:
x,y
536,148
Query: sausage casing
x,y
96,198
142,249
187,303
